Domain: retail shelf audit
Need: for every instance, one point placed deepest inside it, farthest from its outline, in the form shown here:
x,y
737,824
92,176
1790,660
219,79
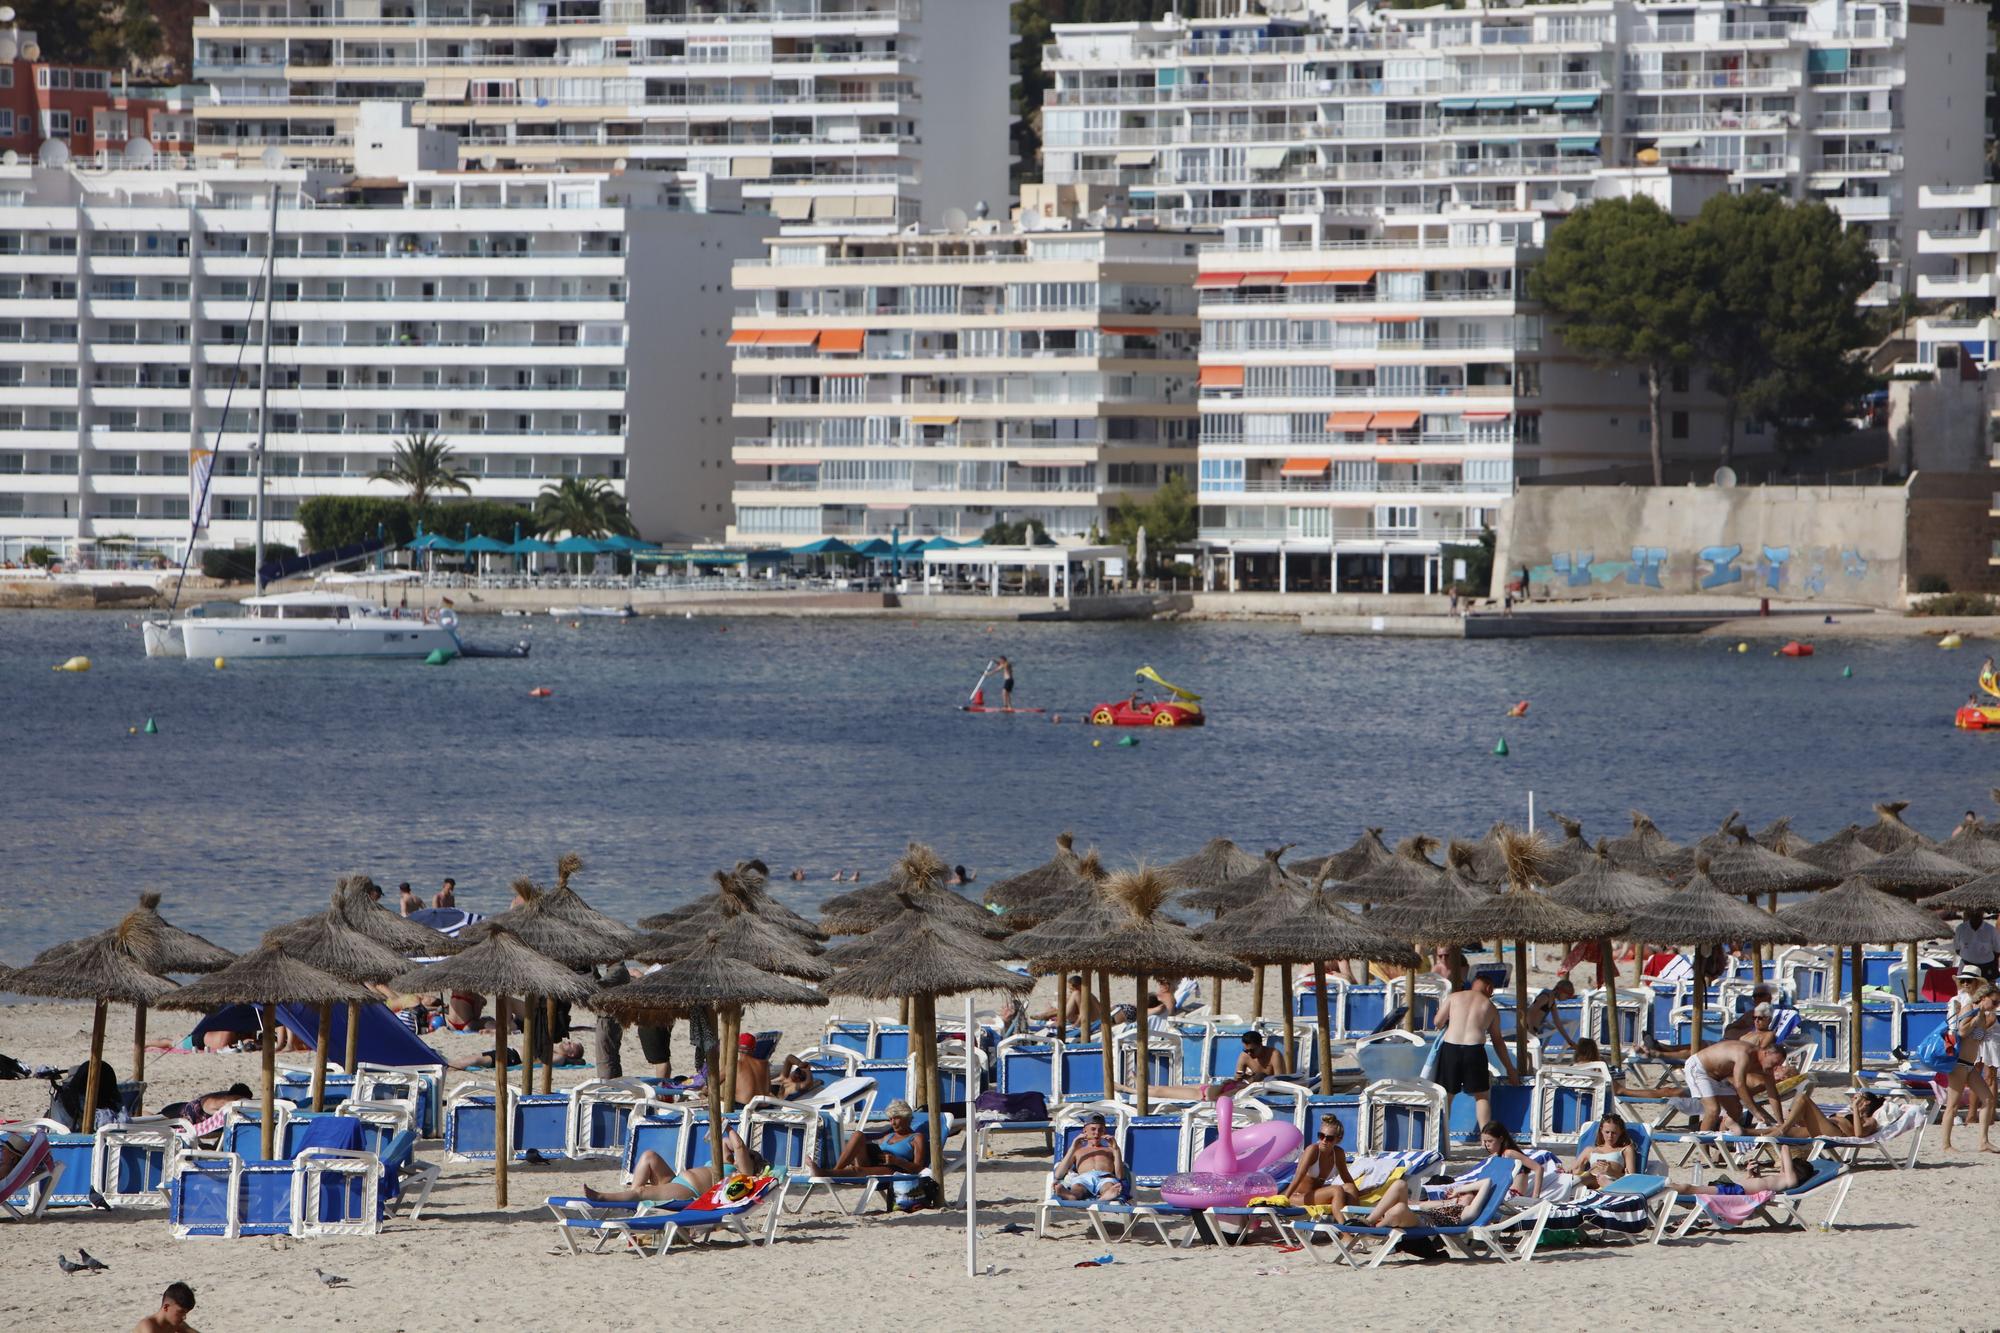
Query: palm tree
x,y
582,507
424,465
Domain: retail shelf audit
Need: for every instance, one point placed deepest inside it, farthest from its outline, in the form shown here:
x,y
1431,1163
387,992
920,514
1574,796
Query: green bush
x,y
1933,583
40,556
1957,604
237,564
341,520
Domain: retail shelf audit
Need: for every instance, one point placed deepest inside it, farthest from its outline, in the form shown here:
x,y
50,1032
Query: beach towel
x,y
1622,1211
1733,1210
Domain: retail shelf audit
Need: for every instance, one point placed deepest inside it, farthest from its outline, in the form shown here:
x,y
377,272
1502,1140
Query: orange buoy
x,y
1797,649
540,692
1519,710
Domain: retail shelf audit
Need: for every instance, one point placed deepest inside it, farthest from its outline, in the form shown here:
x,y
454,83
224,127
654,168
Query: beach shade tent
x,y
1570,857
1603,890
1526,917
1318,930
169,950
341,951
927,965
1889,833
1058,872
1144,944
1643,846
1843,854
500,964
1235,892
1857,914
1424,912
1701,916
1744,866
1279,901
106,969
705,977
1351,863
267,976
1914,870
1780,838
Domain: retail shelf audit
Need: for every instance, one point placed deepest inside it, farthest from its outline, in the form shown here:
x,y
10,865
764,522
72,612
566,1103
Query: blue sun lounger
x,y
1482,1230
1782,1209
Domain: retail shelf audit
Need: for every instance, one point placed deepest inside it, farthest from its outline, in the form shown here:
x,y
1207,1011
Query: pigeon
x,y
534,1157
97,1201
330,1279
63,1263
1013,1229
94,1265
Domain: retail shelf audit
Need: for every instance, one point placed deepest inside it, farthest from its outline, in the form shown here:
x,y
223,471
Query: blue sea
x,y
673,747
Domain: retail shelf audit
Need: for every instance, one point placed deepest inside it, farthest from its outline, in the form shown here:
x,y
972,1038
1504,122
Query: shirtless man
x,y
1728,1075
172,1315
1092,1168
1542,1009
753,1076
1470,1021
1076,1007
1258,1061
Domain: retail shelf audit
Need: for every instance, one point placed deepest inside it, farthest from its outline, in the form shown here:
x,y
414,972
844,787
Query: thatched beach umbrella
x,y
1749,868
1427,916
1351,862
704,913
1975,895
705,978
1484,861
1233,893
500,964
1088,873
884,941
1570,857
267,976
1278,903
354,903
1409,870
1974,850
330,945
928,966
1914,870
1643,846
1144,944
1096,915
1844,853
919,875
1889,833
1525,916
1058,872
105,969
1702,916
555,936
1604,890
1858,914
566,905
1218,862
1780,838
1321,929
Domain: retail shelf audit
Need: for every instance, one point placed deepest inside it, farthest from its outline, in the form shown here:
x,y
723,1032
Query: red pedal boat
x,y
1181,709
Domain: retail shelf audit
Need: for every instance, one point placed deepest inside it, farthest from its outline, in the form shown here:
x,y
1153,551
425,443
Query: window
x,y
1395,518
6,117
1222,474
55,123
1680,426
1680,379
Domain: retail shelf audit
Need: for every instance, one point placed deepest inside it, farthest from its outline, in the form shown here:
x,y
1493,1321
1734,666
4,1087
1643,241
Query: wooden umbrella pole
x,y
732,1019
716,1124
1325,1028
268,1045
353,1038
1854,1033
903,1011
87,1121
502,1118
319,1057
139,1043
1410,1000
1256,994
1700,1002
1285,999
1143,1074
934,1093
1912,980
1611,998
528,1008
1104,1035
1521,1008
548,1065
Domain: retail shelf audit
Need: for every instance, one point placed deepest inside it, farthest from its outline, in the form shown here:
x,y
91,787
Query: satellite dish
x,y
139,153
489,162
53,153
272,158
6,13
1725,477
955,219
10,158
32,51
9,48
619,165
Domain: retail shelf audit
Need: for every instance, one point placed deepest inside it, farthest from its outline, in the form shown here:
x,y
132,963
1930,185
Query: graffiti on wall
x,y
1760,571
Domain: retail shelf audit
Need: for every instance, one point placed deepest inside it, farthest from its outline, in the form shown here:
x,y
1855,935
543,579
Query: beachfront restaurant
x,y
1059,572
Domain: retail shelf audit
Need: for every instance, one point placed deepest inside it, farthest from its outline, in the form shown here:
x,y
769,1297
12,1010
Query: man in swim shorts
x,y
1091,1169
1470,1022
1728,1075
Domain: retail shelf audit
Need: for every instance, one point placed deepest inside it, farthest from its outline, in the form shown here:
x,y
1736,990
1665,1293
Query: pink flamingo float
x,y
1234,1169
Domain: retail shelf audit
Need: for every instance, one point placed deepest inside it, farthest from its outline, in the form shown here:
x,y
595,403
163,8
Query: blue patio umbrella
x,y
430,541
574,545
484,545
824,546
530,546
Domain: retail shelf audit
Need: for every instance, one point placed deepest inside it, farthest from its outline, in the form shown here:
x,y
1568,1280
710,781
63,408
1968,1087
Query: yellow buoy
x,y
1097,745
220,663
1742,647
1952,640
75,664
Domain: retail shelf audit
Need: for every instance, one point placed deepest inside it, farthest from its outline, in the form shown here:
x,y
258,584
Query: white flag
x,y
201,464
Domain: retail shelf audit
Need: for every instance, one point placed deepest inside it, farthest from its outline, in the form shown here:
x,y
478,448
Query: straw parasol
x,y
1058,872
1914,869
1409,870
1143,944
1218,862
921,873
1975,850
1485,862
1426,916
567,905
1641,847
107,968
327,943
1318,930
268,976
1279,903
1096,914
1844,853
1857,914
1089,873
500,964
706,977
1231,893
1702,916
1678,864
354,901
1889,833
929,965
1357,859
1570,857
1525,916
1749,868
886,939
1604,890
1779,837
1975,895
705,911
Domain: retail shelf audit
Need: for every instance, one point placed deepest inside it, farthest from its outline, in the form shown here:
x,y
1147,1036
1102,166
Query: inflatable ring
x,y
1101,718
1163,720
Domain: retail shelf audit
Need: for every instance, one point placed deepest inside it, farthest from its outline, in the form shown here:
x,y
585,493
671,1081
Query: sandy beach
x,y
466,1266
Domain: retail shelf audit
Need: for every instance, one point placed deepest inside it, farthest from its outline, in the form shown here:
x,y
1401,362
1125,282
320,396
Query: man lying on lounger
x,y
1092,1168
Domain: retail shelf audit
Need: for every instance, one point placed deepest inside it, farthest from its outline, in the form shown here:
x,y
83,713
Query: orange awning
x,y
933,421
1488,414
1222,377
1298,277
1265,279
1350,275
1217,280
1396,420
842,340
1127,330
1304,467
788,338
744,337
1347,420
1397,319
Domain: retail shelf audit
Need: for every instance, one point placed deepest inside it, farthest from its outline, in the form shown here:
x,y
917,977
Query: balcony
x,y
1337,486
1955,241
1344,534
1958,287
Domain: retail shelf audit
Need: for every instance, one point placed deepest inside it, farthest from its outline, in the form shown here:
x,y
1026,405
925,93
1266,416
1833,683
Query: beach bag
x,y
1014,1105
1936,1049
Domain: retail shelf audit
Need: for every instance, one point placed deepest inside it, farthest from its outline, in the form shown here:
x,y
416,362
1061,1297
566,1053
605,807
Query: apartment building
x,y
1352,109
88,111
837,115
1372,389
547,325
1962,233
934,384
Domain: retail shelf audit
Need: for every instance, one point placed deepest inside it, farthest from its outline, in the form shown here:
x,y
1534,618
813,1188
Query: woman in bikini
x,y
1614,1155
1805,1120
903,1151
653,1181
1323,1177
1974,1026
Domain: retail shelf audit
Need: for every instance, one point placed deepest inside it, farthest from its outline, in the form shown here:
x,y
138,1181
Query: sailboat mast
x,y
264,390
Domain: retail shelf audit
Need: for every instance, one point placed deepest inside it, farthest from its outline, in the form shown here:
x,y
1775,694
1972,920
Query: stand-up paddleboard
x,y
982,708
976,701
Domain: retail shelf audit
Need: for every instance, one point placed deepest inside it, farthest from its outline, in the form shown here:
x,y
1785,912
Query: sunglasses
x,y
1329,1138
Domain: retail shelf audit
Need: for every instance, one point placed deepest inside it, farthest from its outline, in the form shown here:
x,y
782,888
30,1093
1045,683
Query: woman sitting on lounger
x,y
1498,1141
1323,1176
903,1151
652,1181
1806,1120
1612,1156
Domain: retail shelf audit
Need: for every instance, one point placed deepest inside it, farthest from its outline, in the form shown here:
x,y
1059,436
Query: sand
x,y
1907,1253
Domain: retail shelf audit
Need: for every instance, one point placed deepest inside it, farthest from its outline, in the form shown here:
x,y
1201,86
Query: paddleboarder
x,y
1006,666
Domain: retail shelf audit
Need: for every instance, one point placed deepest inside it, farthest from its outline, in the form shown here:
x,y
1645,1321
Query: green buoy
x,y
152,729
438,657
1128,741
1500,746
1847,673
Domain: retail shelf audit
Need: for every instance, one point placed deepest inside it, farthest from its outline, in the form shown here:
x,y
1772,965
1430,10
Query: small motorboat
x,y
1181,708
601,612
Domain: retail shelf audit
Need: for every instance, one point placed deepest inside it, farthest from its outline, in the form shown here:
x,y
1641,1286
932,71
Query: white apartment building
x,y
1350,109
933,384
1962,234
1372,388
546,325
837,115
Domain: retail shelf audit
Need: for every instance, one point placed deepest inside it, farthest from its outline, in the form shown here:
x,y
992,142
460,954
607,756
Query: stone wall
x,y
1841,544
